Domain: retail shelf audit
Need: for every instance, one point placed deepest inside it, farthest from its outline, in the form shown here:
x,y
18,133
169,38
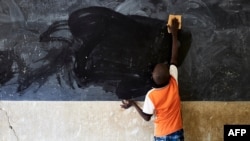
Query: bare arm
x,y
174,31
128,103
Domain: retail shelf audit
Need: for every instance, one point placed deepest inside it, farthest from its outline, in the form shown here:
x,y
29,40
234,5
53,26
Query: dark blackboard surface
x,y
112,58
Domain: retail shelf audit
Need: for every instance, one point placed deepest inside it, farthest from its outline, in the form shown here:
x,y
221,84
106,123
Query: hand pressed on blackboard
x,y
128,103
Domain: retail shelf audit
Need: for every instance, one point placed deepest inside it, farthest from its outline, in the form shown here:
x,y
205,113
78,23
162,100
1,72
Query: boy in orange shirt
x,y
164,101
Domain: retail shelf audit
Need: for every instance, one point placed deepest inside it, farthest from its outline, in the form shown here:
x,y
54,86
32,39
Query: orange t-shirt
x,y
166,105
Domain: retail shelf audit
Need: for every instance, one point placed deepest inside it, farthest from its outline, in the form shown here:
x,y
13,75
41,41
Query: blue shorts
x,y
176,136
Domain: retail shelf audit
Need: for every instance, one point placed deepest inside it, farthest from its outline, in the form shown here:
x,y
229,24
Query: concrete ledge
x,y
105,120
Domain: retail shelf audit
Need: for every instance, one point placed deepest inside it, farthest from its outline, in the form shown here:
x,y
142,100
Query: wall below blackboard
x,y
106,120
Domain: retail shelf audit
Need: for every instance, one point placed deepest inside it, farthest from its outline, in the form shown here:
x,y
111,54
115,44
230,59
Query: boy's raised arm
x,y
174,31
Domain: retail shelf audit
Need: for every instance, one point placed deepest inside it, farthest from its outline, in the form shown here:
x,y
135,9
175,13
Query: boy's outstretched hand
x,y
127,103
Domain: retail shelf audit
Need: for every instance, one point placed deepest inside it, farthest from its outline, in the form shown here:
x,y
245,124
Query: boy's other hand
x,y
127,103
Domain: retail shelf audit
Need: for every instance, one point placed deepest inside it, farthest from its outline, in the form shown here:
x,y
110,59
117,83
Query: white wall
x,y
106,121
71,121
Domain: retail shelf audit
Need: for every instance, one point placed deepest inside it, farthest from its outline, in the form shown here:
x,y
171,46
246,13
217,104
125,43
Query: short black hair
x,y
161,74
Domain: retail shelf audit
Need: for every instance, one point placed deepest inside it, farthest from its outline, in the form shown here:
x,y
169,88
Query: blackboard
x,y
47,53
